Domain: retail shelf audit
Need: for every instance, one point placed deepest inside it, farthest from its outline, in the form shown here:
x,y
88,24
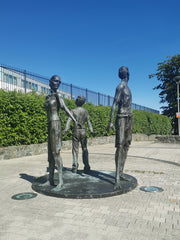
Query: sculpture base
x,y
95,184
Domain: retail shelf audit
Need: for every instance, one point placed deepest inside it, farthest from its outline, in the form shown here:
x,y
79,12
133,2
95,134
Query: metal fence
x,y
21,80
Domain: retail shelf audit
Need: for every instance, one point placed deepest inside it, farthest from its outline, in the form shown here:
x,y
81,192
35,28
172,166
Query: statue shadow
x,y
102,175
27,177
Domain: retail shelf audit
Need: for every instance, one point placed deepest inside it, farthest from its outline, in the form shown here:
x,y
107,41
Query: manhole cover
x,y
23,196
151,189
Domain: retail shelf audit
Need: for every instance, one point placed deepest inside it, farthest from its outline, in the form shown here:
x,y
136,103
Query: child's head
x,y
80,100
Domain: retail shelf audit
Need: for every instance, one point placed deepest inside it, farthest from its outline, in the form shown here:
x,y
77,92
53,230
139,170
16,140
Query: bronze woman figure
x,y
53,104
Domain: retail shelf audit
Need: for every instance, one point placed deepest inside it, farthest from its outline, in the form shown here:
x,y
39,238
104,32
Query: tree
x,y
166,73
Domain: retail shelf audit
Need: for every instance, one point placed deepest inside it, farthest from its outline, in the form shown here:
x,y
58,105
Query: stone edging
x,y
36,149
168,139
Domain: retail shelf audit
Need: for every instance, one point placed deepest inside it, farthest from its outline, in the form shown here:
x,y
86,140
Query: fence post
x,y
25,81
86,95
98,98
71,91
108,100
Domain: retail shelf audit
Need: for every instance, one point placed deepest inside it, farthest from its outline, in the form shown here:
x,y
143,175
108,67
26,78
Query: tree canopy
x,y
165,74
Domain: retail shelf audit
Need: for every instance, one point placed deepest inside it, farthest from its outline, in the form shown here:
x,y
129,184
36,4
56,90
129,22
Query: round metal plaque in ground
x,y
151,189
95,184
24,196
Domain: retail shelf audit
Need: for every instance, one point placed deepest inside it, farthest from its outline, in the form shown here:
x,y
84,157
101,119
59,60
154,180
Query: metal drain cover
x,y
23,196
151,189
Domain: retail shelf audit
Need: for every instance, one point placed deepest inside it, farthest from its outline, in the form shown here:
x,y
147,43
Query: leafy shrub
x,y
23,119
151,123
140,122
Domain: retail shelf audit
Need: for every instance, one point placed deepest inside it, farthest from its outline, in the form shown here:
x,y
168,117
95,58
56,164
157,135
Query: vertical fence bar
x,y
86,95
98,98
25,81
71,91
108,100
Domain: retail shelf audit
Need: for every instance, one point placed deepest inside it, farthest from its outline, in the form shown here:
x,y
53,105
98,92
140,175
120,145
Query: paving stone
x,y
135,215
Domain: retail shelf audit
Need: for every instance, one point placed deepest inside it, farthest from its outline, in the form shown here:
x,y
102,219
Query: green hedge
x,y
151,123
23,119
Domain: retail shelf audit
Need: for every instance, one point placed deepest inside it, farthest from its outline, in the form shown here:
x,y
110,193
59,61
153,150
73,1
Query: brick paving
x,y
135,215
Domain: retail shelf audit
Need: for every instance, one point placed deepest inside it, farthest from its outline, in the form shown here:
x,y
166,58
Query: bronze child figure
x,y
124,123
53,104
79,134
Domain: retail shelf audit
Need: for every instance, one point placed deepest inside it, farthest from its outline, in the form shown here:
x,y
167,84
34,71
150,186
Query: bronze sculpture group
x,y
124,122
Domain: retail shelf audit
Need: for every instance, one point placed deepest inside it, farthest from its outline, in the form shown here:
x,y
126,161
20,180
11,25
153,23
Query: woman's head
x,y
54,82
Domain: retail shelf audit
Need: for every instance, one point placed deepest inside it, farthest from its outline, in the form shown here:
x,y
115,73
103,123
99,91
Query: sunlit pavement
x,y
134,215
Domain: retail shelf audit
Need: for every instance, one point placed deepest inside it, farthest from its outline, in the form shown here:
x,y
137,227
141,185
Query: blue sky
x,y
86,41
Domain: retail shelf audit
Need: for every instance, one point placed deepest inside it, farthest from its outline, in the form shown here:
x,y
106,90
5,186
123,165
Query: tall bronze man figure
x,y
79,134
124,123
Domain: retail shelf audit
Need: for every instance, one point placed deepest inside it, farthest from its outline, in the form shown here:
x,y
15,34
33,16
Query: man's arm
x,y
89,124
113,109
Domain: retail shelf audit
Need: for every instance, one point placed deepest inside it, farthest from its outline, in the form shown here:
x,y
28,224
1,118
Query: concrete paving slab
x,y
131,216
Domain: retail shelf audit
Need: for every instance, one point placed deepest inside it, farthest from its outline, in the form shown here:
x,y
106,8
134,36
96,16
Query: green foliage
x,y
140,122
23,119
165,73
151,123
99,116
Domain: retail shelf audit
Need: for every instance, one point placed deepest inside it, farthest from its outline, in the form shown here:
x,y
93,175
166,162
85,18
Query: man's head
x,y
80,100
54,82
124,73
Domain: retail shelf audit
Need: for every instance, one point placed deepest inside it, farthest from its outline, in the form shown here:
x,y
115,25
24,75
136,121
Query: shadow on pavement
x,y
27,177
102,175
